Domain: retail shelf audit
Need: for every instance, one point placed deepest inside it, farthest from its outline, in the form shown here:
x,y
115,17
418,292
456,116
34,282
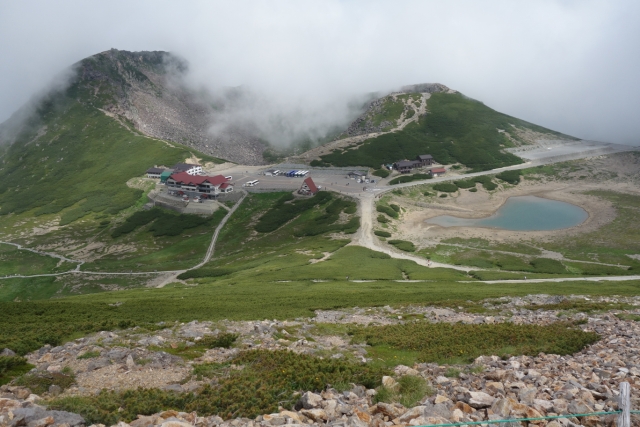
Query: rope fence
x,y
624,414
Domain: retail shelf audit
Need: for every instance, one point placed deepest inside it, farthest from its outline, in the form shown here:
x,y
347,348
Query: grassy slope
x,y
83,161
271,277
70,166
16,261
456,129
27,326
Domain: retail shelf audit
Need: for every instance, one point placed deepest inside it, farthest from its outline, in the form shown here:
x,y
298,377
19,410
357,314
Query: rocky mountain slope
x,y
371,121
430,118
148,92
490,388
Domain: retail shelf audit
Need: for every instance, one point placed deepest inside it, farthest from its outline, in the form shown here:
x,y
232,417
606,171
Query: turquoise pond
x,y
523,213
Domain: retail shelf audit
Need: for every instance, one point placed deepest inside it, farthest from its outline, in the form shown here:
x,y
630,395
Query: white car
x,y
228,178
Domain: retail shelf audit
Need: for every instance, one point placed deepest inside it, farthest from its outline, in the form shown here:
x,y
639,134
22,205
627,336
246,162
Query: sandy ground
x,y
483,204
465,204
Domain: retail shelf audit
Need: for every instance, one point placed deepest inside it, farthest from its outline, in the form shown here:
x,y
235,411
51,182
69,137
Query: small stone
x,y
315,414
412,413
497,375
55,390
479,399
402,370
389,382
494,388
176,424
441,399
293,415
43,422
7,352
311,400
130,363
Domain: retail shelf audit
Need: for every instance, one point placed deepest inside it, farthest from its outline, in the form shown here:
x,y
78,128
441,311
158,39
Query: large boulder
x,y
38,414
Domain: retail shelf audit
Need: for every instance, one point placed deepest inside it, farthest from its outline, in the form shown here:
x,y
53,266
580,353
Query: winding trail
x,y
212,246
50,254
365,237
350,141
171,274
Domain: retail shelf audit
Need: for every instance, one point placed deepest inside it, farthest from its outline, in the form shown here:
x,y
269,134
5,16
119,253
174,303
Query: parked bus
x,y
251,183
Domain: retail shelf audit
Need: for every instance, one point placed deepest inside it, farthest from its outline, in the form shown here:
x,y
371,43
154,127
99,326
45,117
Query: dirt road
x,y
365,237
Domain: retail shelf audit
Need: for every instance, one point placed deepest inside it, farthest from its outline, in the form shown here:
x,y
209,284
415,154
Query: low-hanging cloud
x,y
567,65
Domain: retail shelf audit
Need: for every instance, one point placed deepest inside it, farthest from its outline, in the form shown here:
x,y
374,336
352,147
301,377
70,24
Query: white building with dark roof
x,y
189,168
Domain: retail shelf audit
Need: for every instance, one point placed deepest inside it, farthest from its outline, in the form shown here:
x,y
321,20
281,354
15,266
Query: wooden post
x,y
624,419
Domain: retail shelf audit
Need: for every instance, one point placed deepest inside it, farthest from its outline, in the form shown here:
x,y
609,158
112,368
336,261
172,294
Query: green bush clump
x,y
382,233
165,223
326,222
473,190
486,182
225,340
387,210
443,195
445,187
383,219
546,265
465,183
408,178
40,382
451,343
427,194
382,173
319,163
89,355
319,226
470,183
204,272
394,207
174,225
408,392
403,245
282,212
512,176
11,367
410,112
269,379
137,219
599,270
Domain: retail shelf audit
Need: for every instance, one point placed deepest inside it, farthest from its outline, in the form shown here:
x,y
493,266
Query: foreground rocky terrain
x,y
488,389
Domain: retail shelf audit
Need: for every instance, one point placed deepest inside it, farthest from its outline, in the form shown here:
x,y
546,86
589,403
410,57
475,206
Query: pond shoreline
x,y
533,209
483,204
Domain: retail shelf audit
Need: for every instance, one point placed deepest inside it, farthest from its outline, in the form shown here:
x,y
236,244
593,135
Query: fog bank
x,y
567,65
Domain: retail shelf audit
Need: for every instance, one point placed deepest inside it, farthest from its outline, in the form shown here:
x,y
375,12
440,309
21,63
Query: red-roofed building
x,y
213,185
438,171
308,187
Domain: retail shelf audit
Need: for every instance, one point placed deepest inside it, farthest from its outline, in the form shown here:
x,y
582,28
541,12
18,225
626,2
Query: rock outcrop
x,y
490,388
148,90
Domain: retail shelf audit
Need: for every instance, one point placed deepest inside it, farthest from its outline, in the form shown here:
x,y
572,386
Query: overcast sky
x,y
573,66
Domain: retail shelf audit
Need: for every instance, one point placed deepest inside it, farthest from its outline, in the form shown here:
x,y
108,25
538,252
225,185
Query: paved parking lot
x,y
333,178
